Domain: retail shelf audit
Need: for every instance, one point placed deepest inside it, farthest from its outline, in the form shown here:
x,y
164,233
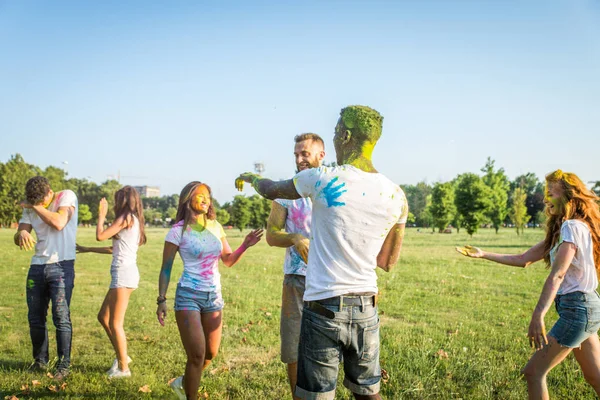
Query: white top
x,y
581,275
353,211
200,249
126,246
298,219
53,245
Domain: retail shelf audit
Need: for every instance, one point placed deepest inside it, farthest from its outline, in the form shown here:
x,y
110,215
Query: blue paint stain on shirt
x,y
332,193
317,184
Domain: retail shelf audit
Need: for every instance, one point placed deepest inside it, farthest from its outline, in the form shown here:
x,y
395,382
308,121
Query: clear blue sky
x,y
181,91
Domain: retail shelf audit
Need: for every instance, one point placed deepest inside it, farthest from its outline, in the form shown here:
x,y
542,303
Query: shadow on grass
x,y
14,365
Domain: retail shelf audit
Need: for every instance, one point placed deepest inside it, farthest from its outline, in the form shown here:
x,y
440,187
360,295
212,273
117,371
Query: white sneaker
x,y
116,365
177,386
116,374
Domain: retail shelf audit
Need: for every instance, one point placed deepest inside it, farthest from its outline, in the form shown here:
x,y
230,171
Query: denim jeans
x,y
351,335
44,283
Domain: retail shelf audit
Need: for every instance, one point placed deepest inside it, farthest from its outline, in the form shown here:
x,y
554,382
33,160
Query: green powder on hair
x,y
366,121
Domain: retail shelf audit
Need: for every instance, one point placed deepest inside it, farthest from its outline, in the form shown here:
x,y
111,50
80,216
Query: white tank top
x,y
126,246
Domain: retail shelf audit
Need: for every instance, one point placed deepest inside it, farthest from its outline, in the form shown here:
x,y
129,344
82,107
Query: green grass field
x,y
451,327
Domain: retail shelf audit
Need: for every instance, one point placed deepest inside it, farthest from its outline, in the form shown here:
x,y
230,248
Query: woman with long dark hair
x,y
201,243
127,233
572,250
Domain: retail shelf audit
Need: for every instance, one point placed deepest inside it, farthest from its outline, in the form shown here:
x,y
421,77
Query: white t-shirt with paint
x,y
53,245
200,249
298,220
352,213
581,275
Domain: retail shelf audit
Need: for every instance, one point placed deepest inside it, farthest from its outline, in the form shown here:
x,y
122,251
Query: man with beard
x,y
358,221
289,227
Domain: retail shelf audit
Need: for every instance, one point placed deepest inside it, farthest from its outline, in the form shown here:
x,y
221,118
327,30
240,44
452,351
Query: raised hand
x,y
252,238
25,240
103,208
246,177
470,251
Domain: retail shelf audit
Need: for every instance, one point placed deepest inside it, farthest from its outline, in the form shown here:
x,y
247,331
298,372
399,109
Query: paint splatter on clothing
x,y
298,220
200,249
352,213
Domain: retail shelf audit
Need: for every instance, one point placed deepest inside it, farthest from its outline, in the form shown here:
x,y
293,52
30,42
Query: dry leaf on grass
x,y
441,353
49,375
35,382
145,389
11,397
53,388
385,377
25,390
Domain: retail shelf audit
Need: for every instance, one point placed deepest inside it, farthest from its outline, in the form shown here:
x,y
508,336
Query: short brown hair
x,y
36,189
309,136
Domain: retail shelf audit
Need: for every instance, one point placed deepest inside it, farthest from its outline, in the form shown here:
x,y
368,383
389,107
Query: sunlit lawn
x,y
451,327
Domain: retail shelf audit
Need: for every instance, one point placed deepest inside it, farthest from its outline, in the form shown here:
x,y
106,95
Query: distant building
x,y
148,191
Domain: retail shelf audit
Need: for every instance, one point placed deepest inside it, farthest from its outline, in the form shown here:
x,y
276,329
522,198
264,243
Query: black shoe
x,y
61,374
38,366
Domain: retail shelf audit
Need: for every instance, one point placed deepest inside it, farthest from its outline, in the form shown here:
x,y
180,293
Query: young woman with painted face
x,y
127,233
572,250
201,243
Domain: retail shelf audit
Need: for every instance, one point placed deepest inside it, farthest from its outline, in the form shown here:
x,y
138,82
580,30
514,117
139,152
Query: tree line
x,y
468,201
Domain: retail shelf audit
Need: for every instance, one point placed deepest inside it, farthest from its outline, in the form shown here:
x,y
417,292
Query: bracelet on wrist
x,y
161,299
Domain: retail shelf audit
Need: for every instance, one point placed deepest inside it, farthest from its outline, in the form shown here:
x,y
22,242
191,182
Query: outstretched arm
x,y
99,250
535,253
267,188
390,250
229,258
278,237
57,220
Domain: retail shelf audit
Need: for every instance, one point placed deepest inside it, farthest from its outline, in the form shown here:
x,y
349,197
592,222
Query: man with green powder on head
x,y
358,221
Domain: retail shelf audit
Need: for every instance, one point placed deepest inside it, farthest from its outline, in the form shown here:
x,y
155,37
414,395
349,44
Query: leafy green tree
x,y
416,195
153,216
541,217
499,185
222,216
14,174
534,190
518,213
170,213
241,212
442,205
410,219
56,177
84,214
596,188
472,199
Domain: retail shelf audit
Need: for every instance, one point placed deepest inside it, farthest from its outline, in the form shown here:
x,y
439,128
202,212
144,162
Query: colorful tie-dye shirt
x,y
200,249
298,221
352,213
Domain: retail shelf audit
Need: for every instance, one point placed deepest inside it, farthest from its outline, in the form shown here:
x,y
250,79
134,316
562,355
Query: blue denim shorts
x,y
579,318
352,335
188,299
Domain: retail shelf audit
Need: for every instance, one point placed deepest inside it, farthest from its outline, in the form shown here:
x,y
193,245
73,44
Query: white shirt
x,y
200,249
126,246
581,275
353,211
298,220
53,245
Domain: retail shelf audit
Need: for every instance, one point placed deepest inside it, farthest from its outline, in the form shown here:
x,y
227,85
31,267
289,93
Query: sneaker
x,y
116,365
61,374
119,374
177,386
38,366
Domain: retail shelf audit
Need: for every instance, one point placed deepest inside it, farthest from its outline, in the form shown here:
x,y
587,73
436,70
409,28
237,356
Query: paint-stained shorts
x,y
291,316
579,318
188,299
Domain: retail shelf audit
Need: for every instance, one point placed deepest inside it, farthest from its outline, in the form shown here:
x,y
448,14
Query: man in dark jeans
x,y
53,217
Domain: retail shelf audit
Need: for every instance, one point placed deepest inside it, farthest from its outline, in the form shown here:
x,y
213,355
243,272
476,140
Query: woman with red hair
x,y
572,250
